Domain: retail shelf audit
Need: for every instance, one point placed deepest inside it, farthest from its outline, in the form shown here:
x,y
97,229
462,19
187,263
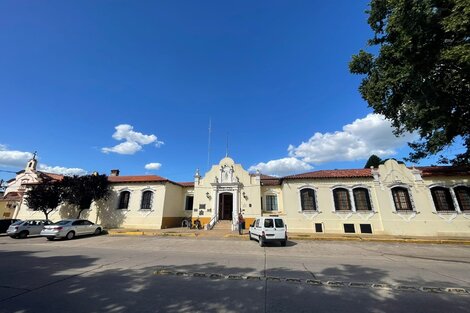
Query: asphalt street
x,y
163,274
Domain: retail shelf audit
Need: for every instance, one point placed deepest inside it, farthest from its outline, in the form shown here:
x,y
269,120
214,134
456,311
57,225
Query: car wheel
x,y
283,243
23,235
97,231
261,241
50,238
70,235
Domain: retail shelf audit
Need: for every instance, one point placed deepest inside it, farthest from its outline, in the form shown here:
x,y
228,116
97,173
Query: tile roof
x,y
187,184
13,196
349,173
136,179
52,176
267,180
443,170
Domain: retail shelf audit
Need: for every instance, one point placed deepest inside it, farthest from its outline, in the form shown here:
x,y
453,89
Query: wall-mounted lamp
x,y
208,195
245,196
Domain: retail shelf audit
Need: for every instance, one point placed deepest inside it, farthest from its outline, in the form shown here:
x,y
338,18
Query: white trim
x,y
332,189
315,199
410,195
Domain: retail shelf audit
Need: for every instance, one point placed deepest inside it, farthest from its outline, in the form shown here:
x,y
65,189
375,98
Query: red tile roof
x,y
443,170
349,173
186,184
136,179
13,196
267,180
52,176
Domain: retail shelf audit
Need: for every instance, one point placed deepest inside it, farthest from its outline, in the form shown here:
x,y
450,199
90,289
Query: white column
x,y
351,199
454,200
215,207
235,211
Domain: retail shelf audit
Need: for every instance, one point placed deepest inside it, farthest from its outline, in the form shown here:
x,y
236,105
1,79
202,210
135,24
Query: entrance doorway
x,y
225,206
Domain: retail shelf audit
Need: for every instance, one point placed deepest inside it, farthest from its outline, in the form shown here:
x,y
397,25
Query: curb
x,y
298,237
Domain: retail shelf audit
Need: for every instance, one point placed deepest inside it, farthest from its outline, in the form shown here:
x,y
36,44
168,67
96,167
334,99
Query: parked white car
x,y
23,229
268,229
70,228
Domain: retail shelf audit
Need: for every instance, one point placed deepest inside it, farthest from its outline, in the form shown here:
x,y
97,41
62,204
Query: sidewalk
x,y
220,234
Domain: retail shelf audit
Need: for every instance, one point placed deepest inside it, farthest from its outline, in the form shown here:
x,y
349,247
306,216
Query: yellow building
x,y
390,200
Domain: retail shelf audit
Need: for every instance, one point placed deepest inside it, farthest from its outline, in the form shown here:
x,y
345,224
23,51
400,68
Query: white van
x,y
267,229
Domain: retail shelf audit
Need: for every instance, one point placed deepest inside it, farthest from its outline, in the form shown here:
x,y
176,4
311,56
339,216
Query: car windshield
x,y
279,223
64,222
17,223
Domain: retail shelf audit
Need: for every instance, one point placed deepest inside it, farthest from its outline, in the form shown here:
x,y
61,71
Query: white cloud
x,y
153,166
13,158
133,141
281,167
358,140
61,170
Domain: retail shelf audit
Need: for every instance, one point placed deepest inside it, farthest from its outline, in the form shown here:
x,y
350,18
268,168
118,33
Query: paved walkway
x,y
219,234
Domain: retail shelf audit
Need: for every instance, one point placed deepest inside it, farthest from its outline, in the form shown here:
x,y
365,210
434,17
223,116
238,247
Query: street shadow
x,y
76,283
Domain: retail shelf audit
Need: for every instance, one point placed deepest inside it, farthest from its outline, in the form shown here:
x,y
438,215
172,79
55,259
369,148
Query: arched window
x,y
342,201
463,197
362,199
146,200
442,199
307,199
124,200
401,198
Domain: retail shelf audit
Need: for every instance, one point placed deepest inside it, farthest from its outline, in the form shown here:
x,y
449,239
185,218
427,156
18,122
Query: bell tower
x,y
31,166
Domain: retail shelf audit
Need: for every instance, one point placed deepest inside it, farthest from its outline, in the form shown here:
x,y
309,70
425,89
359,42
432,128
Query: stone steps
x,y
223,225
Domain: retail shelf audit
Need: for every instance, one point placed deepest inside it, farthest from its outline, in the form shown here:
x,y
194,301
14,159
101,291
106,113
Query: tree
x,y
373,161
45,197
420,78
81,191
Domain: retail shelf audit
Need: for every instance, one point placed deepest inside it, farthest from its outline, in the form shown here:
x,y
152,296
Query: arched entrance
x,y
225,206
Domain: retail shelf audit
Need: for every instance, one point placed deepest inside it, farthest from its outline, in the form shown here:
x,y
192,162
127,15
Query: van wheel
x,y
70,235
23,235
261,241
249,236
283,243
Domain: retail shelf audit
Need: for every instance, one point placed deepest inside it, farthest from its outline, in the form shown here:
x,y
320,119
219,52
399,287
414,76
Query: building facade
x,y
389,200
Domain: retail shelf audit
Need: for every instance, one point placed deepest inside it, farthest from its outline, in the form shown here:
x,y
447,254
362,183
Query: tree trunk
x,y
80,212
46,213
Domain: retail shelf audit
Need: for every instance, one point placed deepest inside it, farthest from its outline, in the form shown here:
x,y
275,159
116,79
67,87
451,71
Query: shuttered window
x,y
307,200
442,199
342,201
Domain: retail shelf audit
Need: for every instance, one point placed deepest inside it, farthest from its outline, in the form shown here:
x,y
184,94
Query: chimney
x,y
114,173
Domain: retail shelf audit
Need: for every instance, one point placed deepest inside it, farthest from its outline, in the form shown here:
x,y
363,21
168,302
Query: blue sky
x,y
272,76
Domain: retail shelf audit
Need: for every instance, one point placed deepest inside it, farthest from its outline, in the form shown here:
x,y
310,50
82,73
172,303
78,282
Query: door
x,y
225,206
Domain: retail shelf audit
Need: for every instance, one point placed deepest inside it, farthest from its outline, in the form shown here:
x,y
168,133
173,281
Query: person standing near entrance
x,y
241,221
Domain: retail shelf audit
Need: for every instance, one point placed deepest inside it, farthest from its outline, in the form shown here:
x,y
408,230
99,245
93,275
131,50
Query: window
x,y
349,228
146,200
318,227
257,223
463,197
279,223
401,198
366,228
307,200
189,203
341,197
442,199
268,223
362,199
271,203
124,200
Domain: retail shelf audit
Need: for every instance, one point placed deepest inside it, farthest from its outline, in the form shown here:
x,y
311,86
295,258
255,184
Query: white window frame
x,y
351,199
271,193
315,198
152,201
410,195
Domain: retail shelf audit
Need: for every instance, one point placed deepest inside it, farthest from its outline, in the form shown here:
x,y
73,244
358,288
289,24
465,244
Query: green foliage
x,y
373,161
81,191
420,79
45,197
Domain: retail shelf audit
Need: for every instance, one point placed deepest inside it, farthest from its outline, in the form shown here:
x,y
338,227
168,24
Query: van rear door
x,y
279,228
